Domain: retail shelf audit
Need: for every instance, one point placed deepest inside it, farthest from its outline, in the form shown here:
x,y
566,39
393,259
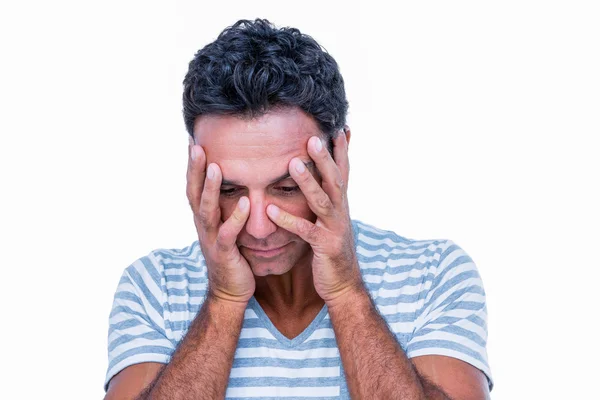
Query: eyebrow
x,y
309,165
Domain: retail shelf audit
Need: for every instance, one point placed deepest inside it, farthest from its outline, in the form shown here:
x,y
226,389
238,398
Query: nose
x,y
259,225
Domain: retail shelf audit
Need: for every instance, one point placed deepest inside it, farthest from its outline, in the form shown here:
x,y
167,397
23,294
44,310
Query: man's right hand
x,y
229,274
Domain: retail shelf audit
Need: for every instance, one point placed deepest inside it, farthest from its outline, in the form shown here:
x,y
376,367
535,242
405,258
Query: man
x,y
283,295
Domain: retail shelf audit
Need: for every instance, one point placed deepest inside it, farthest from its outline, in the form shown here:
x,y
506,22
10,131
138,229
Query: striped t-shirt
x,y
428,291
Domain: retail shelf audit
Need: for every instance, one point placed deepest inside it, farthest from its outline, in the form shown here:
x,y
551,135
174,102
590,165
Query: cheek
x,y
227,206
298,207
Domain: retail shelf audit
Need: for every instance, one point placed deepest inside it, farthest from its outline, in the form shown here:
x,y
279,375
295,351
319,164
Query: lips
x,y
266,253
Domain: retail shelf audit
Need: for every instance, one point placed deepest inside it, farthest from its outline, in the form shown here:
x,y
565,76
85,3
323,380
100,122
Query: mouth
x,y
266,253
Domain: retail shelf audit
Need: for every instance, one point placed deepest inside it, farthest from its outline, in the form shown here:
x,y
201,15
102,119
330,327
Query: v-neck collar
x,y
264,318
290,343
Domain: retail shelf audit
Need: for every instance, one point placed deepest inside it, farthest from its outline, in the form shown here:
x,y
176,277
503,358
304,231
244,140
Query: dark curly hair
x,y
254,67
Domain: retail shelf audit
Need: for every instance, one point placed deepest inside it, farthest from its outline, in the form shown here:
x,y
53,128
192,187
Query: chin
x,y
278,265
261,268
275,266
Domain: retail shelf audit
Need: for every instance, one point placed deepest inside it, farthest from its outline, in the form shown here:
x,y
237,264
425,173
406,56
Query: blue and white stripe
x,y
429,293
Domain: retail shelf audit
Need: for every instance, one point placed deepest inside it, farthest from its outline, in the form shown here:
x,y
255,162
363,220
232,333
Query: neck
x,y
292,293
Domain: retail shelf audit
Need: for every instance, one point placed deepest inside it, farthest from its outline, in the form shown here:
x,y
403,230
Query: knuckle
x,y
190,196
204,218
304,228
323,202
315,233
235,217
289,220
208,199
190,175
238,217
306,178
285,219
193,195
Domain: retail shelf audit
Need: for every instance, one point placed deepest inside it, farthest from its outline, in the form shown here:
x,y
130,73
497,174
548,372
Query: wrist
x,y
228,302
354,295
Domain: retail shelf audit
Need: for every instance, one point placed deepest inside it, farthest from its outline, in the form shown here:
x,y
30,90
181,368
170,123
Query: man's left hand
x,y
334,266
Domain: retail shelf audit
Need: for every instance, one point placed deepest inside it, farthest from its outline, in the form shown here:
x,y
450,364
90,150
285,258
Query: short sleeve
x,y
453,318
136,331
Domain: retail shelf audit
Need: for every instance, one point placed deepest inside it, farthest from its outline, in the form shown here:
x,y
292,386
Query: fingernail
x,y
272,210
299,166
243,203
211,172
194,154
318,145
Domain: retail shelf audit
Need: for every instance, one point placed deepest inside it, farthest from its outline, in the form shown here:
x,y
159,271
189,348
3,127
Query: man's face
x,y
254,157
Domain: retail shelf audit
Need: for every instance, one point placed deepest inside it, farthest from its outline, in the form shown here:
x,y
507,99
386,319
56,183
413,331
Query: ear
x,y
348,133
341,154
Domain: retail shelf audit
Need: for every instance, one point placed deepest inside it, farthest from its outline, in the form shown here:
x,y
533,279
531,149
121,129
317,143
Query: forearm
x,y
376,367
200,366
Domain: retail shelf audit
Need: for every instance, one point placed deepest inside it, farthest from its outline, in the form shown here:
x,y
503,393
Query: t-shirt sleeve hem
x,y
460,356
137,359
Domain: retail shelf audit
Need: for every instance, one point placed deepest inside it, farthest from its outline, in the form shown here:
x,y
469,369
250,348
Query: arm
x,y
138,345
377,368
451,321
199,367
201,364
128,383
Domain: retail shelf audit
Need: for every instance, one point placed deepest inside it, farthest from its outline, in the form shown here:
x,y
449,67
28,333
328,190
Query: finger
x,y
209,213
317,199
231,228
332,181
306,230
196,172
340,154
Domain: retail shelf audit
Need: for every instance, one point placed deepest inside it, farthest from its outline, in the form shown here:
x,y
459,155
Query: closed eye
x,y
283,190
229,192
288,190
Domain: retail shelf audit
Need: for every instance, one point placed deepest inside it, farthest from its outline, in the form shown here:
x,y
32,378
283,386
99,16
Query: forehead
x,y
276,132
264,145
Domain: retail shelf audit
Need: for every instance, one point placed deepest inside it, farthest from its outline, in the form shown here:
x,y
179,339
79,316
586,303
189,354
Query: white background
x,y
473,121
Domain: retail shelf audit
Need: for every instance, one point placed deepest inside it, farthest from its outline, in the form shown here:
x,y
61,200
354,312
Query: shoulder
x,y
141,327
153,275
170,262
176,261
384,255
384,249
428,291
